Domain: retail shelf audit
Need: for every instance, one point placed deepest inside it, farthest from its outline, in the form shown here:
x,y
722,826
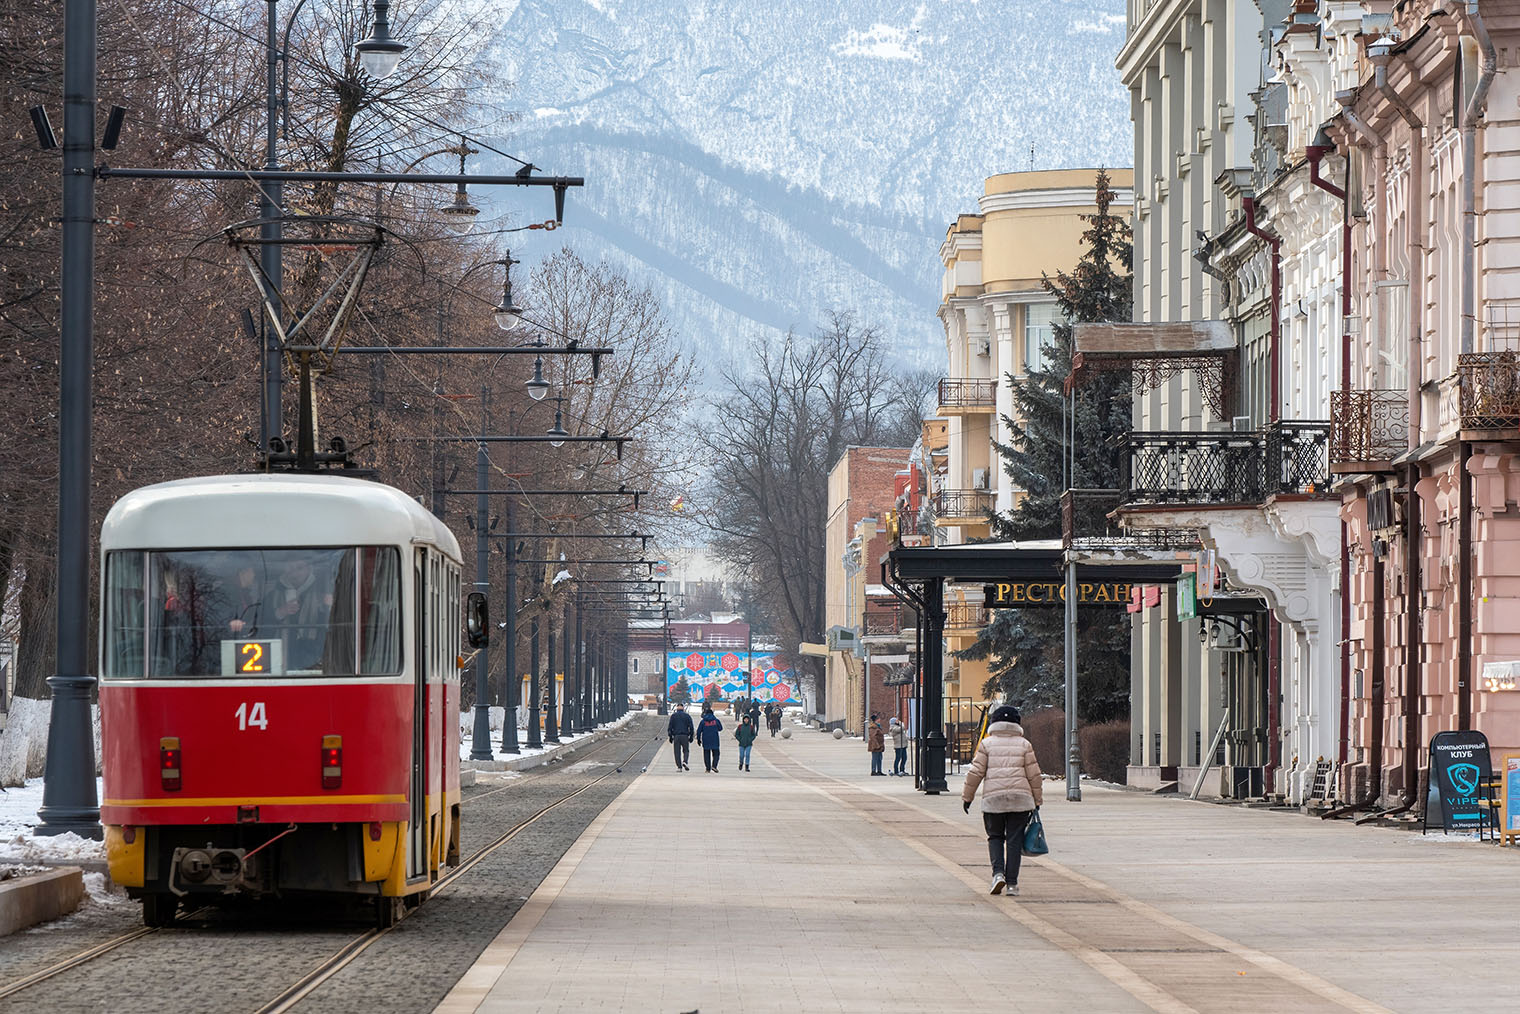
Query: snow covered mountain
x,y
760,163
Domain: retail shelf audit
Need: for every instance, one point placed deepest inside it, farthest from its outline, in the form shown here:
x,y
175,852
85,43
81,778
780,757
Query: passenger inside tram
x,y
292,611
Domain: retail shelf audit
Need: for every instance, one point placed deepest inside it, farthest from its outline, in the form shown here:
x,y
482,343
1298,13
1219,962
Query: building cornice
x,y
1061,197
1143,43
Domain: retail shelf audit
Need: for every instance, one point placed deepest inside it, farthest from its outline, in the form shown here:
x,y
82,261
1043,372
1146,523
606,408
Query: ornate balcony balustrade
x,y
1087,525
1368,429
967,394
963,504
886,619
1229,468
965,616
1490,390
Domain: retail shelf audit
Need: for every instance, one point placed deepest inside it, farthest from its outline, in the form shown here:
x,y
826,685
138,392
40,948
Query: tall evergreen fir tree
x,y
1024,646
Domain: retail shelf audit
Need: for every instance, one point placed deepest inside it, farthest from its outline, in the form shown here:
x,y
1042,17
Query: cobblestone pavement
x,y
234,962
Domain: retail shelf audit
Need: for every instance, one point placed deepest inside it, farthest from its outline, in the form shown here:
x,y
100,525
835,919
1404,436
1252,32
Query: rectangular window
x,y
126,614
253,613
1039,332
635,665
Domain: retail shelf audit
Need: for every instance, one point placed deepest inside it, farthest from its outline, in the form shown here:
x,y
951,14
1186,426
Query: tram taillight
x,y
169,763
332,762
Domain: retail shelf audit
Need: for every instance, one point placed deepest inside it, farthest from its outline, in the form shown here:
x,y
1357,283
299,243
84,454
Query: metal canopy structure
x,y
917,576
1043,560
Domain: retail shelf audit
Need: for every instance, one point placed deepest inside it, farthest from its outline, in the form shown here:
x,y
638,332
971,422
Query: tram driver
x,y
298,607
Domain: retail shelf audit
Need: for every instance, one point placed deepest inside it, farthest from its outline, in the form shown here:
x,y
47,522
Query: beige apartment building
x,y
997,318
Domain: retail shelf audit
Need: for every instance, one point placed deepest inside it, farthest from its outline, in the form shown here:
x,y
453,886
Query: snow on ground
x,y
1446,837
467,739
18,816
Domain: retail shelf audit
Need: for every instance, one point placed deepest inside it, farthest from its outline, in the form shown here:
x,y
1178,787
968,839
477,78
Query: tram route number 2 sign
x,y
253,658
1459,770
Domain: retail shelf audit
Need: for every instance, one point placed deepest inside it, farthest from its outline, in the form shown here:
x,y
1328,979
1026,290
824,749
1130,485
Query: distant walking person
x,y
773,719
899,734
875,743
708,733
680,731
745,734
1006,768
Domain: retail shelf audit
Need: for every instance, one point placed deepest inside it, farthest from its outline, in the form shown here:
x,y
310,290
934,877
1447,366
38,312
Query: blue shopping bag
x,y
1034,836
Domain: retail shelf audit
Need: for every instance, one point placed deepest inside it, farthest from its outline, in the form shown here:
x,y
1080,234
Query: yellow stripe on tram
x,y
259,800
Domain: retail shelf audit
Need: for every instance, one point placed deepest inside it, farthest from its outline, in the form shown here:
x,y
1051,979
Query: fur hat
x,y
1005,713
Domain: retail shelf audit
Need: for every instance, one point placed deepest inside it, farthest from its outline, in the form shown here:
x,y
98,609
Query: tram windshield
x,y
253,613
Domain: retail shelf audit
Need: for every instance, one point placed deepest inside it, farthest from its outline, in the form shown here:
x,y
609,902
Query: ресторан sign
x,y
1010,594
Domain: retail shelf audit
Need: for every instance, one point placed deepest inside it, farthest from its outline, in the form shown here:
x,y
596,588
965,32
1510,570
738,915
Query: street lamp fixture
x,y
538,386
559,427
379,54
459,217
507,313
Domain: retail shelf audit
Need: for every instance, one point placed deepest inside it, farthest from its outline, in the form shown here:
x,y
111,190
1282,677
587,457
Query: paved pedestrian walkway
x,y
807,885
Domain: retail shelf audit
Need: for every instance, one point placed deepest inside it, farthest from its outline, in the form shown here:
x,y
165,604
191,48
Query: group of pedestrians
x,y
876,744
708,732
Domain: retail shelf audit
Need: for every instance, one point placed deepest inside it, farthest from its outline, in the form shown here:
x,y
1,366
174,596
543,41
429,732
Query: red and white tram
x,y
280,692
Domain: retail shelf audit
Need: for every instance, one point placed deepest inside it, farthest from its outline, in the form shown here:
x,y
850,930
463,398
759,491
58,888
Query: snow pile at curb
x,y
23,741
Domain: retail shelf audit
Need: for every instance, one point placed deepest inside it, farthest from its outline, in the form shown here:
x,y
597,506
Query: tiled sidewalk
x,y
806,885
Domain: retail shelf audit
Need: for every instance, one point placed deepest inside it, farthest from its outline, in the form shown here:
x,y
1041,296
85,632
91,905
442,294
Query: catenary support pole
x,y
512,682
480,747
573,687
271,198
583,697
546,694
535,735
69,801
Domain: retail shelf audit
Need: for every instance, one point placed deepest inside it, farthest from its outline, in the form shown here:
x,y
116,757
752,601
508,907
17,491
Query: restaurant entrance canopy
x,y
917,575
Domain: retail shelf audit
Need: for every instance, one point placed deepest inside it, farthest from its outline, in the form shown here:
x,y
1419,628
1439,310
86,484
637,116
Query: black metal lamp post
x,y
69,801
545,707
582,697
535,735
513,683
480,748
569,689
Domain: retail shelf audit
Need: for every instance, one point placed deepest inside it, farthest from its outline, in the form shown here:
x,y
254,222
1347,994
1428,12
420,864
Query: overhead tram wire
x,y
323,69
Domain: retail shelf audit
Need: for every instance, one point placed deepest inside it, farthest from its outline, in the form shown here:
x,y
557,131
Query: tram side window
x,y
125,610
253,612
380,605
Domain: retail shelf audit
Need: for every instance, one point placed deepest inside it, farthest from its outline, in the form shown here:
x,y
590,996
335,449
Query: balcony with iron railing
x,y
1368,429
1490,390
1089,523
962,506
1288,458
965,617
886,619
967,395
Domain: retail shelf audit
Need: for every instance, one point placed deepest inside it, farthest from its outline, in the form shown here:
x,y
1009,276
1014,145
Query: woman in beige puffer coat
x,y
1009,774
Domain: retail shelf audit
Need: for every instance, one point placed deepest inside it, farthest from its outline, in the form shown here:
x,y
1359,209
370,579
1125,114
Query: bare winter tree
x,y
785,421
177,374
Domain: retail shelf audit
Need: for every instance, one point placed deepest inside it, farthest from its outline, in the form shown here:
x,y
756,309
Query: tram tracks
x,y
352,949
346,955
